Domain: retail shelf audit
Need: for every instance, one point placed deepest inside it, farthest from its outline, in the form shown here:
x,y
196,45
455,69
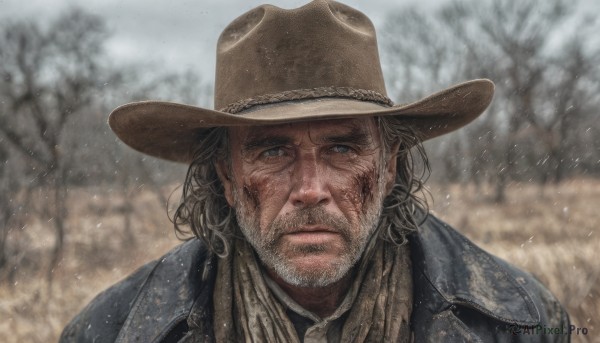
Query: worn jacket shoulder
x,y
103,319
481,296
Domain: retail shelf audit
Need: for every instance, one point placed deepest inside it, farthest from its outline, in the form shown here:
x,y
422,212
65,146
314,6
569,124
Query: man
x,y
302,197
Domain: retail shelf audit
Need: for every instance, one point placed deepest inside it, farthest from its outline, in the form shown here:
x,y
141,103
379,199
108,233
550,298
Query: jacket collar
x,y
465,275
168,295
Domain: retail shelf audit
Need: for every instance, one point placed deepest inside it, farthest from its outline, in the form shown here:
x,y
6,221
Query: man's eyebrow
x,y
355,136
257,142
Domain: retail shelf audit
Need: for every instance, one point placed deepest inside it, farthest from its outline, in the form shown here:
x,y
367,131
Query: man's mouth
x,y
311,229
313,234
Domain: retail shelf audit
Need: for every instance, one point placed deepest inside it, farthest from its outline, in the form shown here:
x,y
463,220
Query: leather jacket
x,y
461,294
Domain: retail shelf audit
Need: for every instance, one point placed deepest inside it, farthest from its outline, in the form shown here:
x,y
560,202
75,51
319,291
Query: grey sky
x,y
182,34
176,34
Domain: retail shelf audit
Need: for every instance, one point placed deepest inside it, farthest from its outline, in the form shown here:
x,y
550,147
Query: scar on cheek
x,y
251,194
365,184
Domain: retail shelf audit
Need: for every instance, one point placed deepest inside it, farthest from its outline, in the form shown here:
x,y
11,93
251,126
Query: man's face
x,y
308,195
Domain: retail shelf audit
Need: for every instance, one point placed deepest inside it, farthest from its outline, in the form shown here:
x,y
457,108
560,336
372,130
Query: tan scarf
x,y
246,311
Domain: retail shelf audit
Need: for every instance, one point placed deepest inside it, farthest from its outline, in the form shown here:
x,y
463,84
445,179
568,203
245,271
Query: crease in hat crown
x,y
270,50
318,61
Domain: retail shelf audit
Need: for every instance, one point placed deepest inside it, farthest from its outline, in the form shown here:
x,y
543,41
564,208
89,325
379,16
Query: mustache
x,y
305,217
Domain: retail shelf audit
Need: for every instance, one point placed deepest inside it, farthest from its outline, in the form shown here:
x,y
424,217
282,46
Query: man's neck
x,y
322,301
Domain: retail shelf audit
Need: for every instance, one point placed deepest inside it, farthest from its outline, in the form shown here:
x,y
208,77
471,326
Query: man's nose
x,y
309,186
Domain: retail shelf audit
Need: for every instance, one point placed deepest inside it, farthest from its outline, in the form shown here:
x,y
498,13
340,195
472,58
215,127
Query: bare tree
x,y
572,87
57,87
47,76
546,79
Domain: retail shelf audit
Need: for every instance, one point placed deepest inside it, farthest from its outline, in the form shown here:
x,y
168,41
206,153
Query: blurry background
x,y
79,210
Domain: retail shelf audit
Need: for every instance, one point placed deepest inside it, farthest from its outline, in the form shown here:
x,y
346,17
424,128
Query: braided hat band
x,y
312,93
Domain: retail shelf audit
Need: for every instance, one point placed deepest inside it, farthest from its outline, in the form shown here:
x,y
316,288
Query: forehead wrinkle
x,y
339,131
346,131
356,136
258,141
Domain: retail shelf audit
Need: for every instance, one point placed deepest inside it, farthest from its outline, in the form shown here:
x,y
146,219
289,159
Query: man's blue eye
x,y
341,149
273,152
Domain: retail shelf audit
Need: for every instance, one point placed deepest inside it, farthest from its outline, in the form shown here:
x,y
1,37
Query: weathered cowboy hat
x,y
319,61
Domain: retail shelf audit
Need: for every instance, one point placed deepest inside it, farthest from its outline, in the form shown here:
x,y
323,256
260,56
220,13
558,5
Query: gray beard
x,y
267,245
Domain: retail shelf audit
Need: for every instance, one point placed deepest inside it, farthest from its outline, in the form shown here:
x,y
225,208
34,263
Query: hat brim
x,y
168,130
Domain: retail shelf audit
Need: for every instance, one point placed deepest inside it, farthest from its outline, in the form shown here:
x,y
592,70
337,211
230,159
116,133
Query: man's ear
x,y
226,180
390,170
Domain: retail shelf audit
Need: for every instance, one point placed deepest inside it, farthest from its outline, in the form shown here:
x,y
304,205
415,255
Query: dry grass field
x,y
553,234
550,232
